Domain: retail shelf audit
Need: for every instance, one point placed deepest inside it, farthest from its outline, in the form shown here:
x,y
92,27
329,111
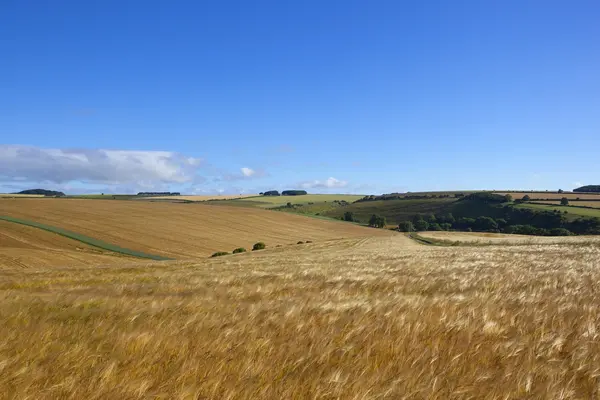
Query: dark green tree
x,y
564,201
349,216
421,225
406,226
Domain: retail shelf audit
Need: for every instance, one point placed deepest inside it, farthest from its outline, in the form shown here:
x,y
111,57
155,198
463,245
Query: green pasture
x,y
579,211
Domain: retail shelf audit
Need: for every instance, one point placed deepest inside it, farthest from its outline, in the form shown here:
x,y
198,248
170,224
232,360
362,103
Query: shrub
x,y
406,226
560,232
348,216
219,254
564,201
487,224
239,250
259,246
293,192
526,198
377,221
309,241
300,242
446,226
435,227
508,198
421,225
271,193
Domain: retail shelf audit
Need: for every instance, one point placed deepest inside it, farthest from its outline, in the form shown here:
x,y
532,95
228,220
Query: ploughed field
x,y
375,318
173,230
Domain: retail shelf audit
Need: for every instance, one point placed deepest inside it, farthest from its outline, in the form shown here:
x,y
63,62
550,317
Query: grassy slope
x,y
274,201
352,319
177,230
572,211
395,211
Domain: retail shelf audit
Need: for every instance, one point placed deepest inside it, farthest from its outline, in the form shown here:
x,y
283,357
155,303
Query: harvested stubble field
x,y
178,231
16,196
354,319
199,197
23,246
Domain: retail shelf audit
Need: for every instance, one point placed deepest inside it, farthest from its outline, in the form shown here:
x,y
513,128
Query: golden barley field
x,y
179,231
357,318
506,239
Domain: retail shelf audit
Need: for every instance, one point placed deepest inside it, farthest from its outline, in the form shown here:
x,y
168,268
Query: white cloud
x,y
96,166
329,183
248,172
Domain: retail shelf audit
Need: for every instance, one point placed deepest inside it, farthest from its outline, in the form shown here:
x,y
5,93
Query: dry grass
x,y
379,318
179,231
552,195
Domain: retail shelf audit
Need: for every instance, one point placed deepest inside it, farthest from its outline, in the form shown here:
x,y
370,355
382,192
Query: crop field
x,y
500,238
593,204
552,195
177,231
199,198
16,196
573,211
376,318
275,201
23,247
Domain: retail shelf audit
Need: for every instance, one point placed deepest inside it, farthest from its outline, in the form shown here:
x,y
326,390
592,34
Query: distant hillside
x,y
588,189
44,192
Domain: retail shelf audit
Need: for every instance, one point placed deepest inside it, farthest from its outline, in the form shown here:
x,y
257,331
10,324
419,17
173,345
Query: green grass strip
x,y
85,239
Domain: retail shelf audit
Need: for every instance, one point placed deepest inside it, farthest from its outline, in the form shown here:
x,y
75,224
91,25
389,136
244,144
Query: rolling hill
x,y
178,231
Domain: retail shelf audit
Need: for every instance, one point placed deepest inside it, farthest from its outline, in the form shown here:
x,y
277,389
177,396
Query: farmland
x,y
18,196
276,201
499,238
177,231
23,246
573,211
553,195
592,204
378,317
199,197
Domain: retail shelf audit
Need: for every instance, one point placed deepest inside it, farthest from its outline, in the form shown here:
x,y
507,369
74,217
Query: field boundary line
x,y
85,239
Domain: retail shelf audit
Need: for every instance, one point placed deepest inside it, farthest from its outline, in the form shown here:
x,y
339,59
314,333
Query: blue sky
x,y
331,96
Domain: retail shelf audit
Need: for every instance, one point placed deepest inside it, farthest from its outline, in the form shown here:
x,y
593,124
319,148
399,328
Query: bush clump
x,y
259,246
219,254
239,250
300,242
